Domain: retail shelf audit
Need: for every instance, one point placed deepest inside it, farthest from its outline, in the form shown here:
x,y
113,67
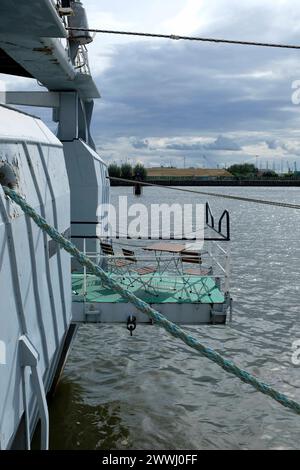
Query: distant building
x,y
205,173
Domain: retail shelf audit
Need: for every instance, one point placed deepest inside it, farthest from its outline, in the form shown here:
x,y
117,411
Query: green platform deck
x,y
202,290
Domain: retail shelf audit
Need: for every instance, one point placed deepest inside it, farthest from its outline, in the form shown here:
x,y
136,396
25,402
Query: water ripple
x,y
151,392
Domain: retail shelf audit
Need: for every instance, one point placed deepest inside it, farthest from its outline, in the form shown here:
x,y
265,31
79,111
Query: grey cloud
x,y
185,146
139,143
175,90
273,144
223,143
277,144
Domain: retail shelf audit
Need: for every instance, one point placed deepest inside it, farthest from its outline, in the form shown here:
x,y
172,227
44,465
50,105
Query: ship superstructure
x,y
64,179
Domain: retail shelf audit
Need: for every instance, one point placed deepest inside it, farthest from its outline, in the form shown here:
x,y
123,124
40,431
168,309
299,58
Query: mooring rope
x,y
177,37
223,196
157,317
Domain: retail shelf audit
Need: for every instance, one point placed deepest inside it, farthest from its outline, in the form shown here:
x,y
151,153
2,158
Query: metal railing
x,y
216,258
221,260
82,60
215,264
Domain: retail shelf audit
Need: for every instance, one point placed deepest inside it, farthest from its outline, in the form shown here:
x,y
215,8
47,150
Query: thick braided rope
x,y
157,317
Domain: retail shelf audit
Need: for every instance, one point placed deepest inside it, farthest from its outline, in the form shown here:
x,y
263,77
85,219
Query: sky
x,y
169,102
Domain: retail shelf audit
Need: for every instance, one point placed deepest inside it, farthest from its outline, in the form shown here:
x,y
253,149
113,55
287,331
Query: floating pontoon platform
x,y
199,302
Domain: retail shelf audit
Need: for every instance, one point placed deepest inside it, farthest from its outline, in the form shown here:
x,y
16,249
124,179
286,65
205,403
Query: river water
x,y
150,391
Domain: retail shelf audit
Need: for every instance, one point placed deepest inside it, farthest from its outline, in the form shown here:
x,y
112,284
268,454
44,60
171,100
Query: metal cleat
x,y
65,11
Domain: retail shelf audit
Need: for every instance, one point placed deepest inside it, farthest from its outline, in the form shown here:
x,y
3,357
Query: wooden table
x,y
165,247
171,248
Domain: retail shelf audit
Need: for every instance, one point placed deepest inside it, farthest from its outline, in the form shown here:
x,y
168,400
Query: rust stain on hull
x,y
45,50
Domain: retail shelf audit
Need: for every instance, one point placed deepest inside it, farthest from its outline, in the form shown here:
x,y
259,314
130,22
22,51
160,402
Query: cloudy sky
x,y
166,101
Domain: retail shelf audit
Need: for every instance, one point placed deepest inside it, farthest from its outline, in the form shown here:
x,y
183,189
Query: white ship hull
x,y
34,273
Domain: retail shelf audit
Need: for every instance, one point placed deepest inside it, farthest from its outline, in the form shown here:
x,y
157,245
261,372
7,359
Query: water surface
x,y
152,392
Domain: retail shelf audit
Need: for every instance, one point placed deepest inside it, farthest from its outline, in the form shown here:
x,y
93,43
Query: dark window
x,y
66,3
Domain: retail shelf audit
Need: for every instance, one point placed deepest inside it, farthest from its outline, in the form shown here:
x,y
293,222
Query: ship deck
x,y
198,289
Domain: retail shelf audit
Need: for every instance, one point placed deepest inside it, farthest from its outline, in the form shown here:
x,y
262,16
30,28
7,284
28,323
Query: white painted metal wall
x,y
89,188
35,286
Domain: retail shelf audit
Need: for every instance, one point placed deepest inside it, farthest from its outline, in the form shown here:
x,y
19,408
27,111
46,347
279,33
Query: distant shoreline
x,y
277,182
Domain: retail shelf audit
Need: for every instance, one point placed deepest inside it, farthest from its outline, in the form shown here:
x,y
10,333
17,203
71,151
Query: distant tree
x,y
126,171
269,174
245,170
140,172
114,170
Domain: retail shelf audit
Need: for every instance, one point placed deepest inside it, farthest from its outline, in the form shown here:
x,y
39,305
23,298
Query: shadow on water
x,y
75,425
96,427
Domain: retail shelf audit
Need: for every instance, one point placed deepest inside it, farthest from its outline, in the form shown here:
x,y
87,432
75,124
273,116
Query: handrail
x,y
221,249
209,220
159,238
30,358
226,216
226,268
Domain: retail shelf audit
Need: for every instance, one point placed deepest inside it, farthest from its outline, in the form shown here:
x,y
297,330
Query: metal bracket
x,y
45,99
65,11
131,324
93,316
29,357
